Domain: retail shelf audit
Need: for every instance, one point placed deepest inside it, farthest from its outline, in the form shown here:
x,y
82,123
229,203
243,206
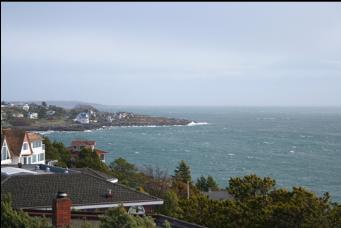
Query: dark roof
x,y
94,173
34,191
218,195
83,143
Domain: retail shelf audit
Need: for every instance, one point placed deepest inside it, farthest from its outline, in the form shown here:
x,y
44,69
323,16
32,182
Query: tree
x,y
57,151
182,172
205,185
170,206
44,104
250,186
212,184
127,173
11,218
89,158
118,217
202,184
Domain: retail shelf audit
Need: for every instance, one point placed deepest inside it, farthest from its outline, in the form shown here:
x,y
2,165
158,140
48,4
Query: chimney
x,y
61,206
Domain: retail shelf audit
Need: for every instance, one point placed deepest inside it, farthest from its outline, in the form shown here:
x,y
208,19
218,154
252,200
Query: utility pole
x,y
187,190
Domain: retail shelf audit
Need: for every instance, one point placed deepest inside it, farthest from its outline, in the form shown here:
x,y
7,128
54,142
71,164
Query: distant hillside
x,y
66,104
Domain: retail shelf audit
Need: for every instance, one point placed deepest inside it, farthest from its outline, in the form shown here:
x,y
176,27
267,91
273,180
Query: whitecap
x,y
292,151
87,131
230,154
196,123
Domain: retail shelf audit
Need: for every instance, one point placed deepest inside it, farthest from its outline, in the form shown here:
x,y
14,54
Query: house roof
x,y
94,173
85,191
14,139
218,195
100,151
34,136
83,143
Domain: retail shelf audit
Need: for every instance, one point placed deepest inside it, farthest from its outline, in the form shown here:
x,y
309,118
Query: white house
x,y
50,112
19,146
18,115
32,115
82,118
26,107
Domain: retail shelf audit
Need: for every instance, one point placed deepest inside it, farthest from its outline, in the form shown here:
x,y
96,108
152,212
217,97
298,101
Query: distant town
x,y
43,117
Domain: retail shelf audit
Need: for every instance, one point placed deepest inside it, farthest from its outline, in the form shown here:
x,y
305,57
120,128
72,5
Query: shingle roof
x,y
34,191
34,136
82,143
14,139
94,173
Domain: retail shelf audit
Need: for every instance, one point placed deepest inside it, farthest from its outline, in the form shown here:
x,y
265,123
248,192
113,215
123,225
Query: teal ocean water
x,y
295,146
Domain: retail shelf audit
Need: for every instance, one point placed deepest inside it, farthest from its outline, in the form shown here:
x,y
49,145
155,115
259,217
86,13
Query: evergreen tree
x,y
182,172
212,184
202,184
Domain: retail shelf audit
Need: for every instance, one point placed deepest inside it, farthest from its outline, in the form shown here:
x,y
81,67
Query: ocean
x,y
294,145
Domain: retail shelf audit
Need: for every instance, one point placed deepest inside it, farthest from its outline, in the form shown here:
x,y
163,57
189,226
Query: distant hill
x,y
66,104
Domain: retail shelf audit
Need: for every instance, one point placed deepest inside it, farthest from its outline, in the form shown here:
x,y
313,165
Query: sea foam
x,y
196,123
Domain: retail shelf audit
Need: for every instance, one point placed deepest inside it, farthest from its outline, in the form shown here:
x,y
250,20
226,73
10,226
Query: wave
x,y
197,123
45,132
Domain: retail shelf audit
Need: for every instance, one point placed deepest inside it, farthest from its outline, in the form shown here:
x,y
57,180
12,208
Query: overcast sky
x,y
172,53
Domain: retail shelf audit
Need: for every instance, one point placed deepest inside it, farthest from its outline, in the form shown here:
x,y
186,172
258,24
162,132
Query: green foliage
x,y
89,158
205,185
11,218
250,186
170,206
57,151
166,224
118,217
127,173
258,204
182,172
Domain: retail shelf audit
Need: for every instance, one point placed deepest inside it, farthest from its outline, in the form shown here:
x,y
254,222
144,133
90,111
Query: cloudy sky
x,y
259,54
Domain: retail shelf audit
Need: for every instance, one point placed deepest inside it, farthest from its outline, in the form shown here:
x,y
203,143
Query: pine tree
x,y
182,172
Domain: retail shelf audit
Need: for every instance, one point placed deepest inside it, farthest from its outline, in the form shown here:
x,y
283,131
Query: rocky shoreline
x,y
136,121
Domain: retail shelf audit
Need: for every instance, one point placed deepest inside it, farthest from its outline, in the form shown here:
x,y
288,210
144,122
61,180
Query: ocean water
x,y
295,146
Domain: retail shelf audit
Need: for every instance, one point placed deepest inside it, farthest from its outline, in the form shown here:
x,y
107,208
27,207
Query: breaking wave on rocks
x,y
196,123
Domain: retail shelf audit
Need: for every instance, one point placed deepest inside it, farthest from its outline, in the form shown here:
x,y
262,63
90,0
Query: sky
x,y
182,54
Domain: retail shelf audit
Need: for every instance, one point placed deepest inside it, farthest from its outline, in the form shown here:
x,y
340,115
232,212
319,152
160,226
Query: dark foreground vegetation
x,y
255,201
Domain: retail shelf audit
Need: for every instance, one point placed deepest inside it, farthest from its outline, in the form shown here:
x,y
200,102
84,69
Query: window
x,y
41,157
27,160
34,158
4,153
36,144
25,146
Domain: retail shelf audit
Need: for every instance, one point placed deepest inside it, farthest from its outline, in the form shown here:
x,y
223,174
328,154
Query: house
x,y
26,107
50,112
82,118
19,146
78,145
32,115
68,197
35,186
218,195
18,115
